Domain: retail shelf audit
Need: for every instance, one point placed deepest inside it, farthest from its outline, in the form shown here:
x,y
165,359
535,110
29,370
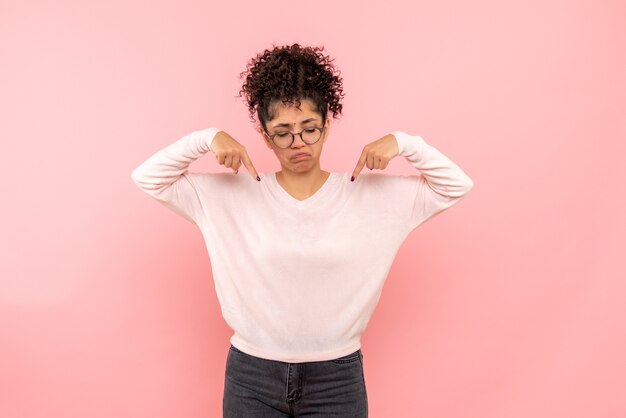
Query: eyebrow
x,y
289,124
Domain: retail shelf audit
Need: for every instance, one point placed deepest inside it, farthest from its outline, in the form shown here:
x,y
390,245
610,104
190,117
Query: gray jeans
x,y
260,388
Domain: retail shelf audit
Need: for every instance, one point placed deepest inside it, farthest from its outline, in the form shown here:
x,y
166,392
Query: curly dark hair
x,y
289,74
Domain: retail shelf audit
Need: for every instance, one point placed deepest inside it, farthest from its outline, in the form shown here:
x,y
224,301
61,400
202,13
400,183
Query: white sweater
x,y
298,280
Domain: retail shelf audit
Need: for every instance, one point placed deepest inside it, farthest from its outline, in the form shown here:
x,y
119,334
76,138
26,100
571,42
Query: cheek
x,y
282,156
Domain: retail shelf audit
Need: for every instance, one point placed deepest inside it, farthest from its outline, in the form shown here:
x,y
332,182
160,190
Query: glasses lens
x,y
311,135
282,140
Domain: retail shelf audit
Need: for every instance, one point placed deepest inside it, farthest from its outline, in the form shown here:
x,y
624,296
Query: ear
x,y
327,130
266,140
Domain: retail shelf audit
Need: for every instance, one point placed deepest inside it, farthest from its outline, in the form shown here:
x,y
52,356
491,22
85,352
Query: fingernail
x,y
257,178
352,179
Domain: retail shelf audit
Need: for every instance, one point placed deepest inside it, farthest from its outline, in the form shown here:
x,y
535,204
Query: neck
x,y
302,185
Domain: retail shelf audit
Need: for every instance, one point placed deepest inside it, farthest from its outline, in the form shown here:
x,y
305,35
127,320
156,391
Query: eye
x,y
282,134
310,130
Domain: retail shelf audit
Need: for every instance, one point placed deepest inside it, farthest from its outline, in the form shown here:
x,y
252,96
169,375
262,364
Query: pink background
x,y
510,305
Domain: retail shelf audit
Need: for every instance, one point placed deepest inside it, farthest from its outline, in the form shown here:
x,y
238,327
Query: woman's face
x,y
291,119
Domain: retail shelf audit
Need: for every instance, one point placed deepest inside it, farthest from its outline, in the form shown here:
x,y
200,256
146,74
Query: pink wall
x,y
509,305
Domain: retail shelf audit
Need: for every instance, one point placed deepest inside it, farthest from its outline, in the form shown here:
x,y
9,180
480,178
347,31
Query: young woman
x,y
299,257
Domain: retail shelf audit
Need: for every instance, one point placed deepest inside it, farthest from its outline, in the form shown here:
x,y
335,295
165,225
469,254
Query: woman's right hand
x,y
230,153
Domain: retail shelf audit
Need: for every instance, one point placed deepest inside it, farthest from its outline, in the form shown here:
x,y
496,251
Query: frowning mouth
x,y
299,156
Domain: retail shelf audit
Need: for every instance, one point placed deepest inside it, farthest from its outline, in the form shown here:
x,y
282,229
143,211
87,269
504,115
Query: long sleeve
x,y
164,175
440,182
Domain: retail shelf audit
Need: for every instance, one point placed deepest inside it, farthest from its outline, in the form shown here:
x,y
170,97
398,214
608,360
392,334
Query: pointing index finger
x,y
246,161
359,166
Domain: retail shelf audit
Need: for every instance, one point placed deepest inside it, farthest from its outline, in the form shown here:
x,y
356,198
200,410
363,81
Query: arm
x,y
164,175
441,182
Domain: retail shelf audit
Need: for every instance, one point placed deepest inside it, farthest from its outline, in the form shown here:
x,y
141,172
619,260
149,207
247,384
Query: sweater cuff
x,y
408,145
208,135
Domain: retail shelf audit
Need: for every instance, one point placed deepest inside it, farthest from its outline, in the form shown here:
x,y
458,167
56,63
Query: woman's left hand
x,y
377,154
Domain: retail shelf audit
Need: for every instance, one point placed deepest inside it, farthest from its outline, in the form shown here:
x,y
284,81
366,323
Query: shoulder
x,y
381,183
223,183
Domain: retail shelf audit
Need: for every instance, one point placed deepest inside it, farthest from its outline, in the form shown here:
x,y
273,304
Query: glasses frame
x,y
293,136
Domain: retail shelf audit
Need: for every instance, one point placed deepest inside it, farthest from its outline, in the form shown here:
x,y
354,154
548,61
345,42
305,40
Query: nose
x,y
298,139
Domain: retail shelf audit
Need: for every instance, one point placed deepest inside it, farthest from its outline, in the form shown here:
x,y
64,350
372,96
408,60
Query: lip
x,y
300,155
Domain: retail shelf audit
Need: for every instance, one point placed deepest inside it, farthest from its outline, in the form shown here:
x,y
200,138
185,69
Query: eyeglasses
x,y
285,139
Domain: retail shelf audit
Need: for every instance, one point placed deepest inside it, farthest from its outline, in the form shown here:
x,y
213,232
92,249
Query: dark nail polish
x,y
257,178
352,179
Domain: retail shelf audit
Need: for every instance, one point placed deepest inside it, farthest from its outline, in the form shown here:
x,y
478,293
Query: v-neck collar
x,y
309,201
